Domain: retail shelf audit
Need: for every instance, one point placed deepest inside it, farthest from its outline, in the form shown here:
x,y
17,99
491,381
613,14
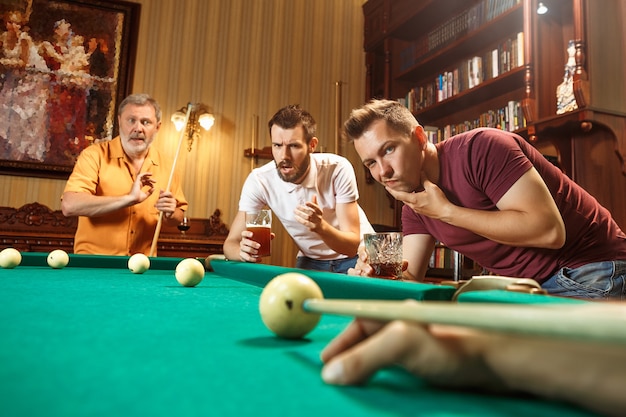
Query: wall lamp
x,y
199,117
541,8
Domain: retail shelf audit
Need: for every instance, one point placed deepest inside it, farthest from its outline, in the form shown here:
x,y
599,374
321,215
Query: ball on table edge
x,y
58,259
281,302
138,263
207,261
10,258
189,272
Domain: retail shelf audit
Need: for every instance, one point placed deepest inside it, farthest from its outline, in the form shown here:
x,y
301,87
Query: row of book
x,y
509,117
466,21
443,261
508,54
442,257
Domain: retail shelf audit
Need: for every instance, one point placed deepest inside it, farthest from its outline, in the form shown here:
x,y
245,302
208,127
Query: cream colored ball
x,y
189,272
138,263
10,258
281,305
208,259
58,259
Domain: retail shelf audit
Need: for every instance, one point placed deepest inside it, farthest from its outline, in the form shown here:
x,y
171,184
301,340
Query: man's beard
x,y
298,174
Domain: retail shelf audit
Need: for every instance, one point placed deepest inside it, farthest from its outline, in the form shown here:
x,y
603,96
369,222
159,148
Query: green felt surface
x,y
337,285
97,341
101,261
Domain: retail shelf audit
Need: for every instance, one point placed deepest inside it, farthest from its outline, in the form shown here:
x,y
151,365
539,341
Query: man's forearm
x,y
83,204
345,243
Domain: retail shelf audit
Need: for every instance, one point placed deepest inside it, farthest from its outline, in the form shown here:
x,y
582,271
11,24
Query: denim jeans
x,y
340,266
599,280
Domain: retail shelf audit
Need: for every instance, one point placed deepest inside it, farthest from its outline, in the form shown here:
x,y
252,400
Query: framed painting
x,y
64,67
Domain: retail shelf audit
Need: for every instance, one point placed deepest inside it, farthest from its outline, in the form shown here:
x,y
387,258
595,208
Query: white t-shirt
x,y
331,178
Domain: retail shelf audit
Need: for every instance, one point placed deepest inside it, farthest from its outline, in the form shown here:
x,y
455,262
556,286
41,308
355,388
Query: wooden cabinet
x,y
36,228
411,45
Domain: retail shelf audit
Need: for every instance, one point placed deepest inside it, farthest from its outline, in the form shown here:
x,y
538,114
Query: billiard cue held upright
x,y
169,181
598,322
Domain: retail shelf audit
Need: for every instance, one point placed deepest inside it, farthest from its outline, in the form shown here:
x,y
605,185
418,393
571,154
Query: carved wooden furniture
x,y
36,228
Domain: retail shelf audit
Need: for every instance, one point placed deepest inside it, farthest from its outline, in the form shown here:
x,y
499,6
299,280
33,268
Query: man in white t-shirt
x,y
314,195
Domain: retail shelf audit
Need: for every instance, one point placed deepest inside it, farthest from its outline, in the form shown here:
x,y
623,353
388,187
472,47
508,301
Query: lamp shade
x,y
178,119
206,120
200,119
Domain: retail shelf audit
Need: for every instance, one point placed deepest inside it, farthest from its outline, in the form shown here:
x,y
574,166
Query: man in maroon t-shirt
x,y
493,197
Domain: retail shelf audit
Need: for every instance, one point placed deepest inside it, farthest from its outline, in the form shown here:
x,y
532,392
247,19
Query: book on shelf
x,y
509,117
475,71
469,73
520,49
444,261
468,20
441,258
495,61
432,133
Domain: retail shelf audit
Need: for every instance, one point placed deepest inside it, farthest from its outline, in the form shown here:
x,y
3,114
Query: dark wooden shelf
x,y
486,90
510,22
409,17
265,153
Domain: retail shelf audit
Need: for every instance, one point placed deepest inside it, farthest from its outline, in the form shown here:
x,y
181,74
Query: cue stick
x,y
255,135
338,117
169,181
600,322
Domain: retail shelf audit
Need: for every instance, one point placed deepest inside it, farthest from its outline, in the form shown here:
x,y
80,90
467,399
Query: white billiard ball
x,y
10,258
58,259
281,305
207,261
189,272
138,263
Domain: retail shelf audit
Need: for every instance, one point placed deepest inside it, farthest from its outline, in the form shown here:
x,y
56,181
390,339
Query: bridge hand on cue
x,y
169,182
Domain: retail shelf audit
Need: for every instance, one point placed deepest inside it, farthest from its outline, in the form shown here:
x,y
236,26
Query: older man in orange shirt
x,y
112,186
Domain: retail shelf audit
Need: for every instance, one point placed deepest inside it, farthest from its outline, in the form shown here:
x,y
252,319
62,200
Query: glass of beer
x,y
260,224
384,251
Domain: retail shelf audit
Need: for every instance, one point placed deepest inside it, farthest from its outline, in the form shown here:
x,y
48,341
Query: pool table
x,y
94,339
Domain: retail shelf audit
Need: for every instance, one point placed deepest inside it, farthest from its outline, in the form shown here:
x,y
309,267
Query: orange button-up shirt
x,y
104,169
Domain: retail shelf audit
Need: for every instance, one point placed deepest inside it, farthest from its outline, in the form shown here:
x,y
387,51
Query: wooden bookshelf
x,y
410,44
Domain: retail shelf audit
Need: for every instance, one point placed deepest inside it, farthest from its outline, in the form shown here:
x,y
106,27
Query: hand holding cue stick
x,y
169,182
595,321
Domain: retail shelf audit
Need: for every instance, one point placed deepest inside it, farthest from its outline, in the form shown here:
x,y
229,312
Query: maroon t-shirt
x,y
477,168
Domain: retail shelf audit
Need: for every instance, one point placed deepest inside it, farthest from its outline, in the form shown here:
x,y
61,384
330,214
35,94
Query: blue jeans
x,y
340,266
599,280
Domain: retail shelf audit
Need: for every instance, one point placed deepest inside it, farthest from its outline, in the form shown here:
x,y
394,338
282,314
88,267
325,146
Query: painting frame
x,y
70,91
